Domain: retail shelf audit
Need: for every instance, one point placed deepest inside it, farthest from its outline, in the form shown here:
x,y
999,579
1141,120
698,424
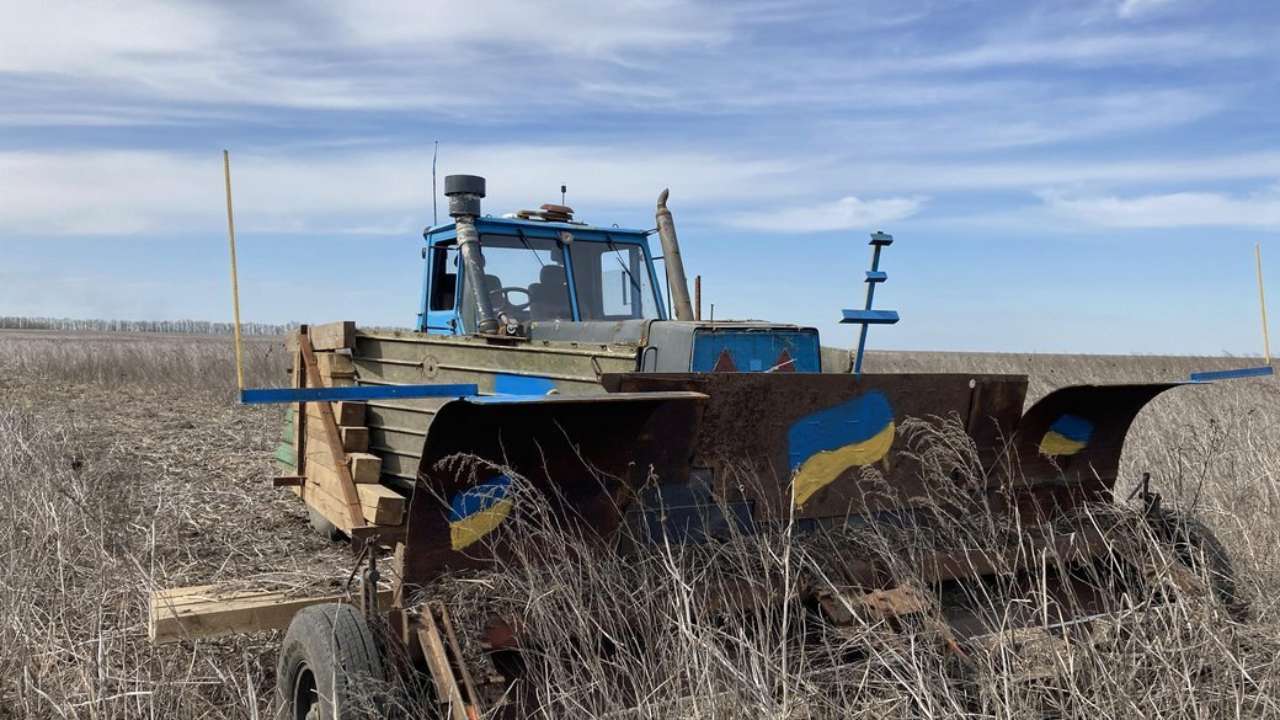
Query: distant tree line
x,y
194,327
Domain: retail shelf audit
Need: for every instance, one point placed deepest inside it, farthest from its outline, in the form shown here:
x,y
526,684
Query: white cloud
x,y
847,213
1135,8
1180,209
129,192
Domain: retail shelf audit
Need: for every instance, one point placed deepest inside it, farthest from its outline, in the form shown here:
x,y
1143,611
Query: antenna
x,y
563,189
435,213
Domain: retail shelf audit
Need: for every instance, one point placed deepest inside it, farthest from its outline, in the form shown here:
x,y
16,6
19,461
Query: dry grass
x,y
126,466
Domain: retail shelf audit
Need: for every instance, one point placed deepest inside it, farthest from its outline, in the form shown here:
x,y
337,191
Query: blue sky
x,y
1060,177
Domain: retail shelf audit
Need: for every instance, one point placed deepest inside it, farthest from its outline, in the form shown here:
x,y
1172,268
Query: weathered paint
x,y
1068,435
398,427
508,384
821,446
727,350
478,511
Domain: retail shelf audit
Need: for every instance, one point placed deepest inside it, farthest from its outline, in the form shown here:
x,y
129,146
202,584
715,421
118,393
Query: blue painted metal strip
x,y
877,276
263,396
1232,374
870,317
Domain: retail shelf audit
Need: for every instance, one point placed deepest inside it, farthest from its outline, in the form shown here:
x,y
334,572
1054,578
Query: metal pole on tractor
x,y
868,317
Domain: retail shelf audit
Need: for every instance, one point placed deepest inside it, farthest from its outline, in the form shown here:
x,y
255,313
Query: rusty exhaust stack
x,y
671,258
464,193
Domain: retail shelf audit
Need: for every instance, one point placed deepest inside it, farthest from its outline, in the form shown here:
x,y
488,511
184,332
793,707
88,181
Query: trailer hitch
x,y
369,578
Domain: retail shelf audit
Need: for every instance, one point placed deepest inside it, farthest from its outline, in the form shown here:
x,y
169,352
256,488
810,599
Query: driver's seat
x,y
549,297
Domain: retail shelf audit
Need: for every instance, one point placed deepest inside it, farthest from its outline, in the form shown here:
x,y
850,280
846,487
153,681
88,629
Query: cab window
x,y
613,282
524,278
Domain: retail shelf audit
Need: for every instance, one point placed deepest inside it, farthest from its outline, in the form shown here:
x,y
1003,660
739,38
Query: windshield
x,y
613,282
525,279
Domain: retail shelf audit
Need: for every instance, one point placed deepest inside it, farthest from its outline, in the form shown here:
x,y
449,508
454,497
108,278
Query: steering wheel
x,y
505,294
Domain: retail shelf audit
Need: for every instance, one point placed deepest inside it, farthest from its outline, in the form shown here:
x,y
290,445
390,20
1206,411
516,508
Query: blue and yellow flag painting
x,y
477,511
824,444
1067,435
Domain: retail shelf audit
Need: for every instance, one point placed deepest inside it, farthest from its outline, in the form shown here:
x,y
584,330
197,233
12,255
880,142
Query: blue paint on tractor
x,y
264,396
1073,427
479,498
507,384
849,423
757,350
1210,376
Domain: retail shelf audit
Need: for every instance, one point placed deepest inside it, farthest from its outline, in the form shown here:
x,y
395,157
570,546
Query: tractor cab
x,y
536,270
540,276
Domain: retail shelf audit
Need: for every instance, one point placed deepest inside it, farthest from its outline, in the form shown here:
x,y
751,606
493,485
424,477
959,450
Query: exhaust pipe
x,y
464,193
676,282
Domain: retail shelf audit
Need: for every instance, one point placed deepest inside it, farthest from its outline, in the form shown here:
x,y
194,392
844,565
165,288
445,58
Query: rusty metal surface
x,y
736,443
585,455
744,431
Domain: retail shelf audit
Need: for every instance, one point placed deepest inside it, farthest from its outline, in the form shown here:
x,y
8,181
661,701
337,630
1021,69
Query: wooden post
x,y
349,495
697,297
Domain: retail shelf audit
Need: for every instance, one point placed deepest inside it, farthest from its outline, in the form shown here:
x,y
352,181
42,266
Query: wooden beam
x,y
355,439
437,657
379,504
333,438
346,413
365,467
335,364
333,336
288,481
192,613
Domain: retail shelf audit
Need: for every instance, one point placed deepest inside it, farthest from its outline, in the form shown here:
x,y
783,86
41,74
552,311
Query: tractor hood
x,y
699,346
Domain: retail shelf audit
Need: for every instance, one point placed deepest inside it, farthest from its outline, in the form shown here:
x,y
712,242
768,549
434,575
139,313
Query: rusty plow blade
x,y
583,454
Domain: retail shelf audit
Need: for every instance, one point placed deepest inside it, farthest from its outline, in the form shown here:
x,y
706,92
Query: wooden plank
x,y
365,467
205,612
335,364
329,507
346,413
441,671
333,336
334,439
287,480
381,505
355,439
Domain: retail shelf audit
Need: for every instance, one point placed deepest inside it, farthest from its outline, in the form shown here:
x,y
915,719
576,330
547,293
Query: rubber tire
x,y
323,527
332,644
1195,544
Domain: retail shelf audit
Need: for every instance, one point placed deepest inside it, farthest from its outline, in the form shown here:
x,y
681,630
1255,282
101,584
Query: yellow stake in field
x,y
1262,301
235,281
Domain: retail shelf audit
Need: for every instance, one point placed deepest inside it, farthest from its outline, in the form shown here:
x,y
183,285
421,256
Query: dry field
x,y
127,466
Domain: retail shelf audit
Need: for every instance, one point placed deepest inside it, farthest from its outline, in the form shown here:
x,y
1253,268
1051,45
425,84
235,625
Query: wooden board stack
x,y
322,484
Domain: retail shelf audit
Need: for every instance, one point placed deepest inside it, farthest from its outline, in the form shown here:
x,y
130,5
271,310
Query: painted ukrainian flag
x,y
477,511
1067,435
824,444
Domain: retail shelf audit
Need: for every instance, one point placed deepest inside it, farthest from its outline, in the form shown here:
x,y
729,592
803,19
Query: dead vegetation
x,y
127,467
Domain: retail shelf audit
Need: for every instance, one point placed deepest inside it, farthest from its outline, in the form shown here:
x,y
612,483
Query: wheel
x,y
1199,549
330,667
323,527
